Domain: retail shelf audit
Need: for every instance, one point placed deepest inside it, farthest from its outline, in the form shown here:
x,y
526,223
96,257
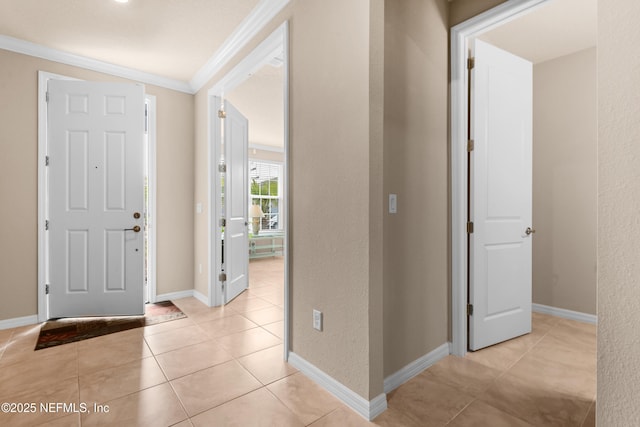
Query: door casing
x,y
460,34
43,76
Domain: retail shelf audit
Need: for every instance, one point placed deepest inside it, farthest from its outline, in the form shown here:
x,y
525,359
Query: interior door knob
x,y
529,231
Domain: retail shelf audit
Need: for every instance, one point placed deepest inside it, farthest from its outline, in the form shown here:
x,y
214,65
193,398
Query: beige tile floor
x,y
223,367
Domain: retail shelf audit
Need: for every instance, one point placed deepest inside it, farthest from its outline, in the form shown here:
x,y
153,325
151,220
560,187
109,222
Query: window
x,y
266,191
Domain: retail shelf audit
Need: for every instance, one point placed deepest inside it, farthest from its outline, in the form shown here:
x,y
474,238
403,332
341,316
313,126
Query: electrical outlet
x,y
317,320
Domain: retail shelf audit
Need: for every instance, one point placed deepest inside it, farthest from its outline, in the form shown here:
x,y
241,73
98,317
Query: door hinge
x,y
46,289
469,227
222,168
469,309
471,62
470,145
146,118
223,222
46,160
46,225
222,277
222,114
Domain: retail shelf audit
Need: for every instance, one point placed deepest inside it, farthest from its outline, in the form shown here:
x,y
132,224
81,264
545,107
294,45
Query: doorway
x,y
460,37
146,248
271,53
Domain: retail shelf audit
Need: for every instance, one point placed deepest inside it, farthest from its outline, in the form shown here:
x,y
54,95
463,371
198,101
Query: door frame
x,y
43,77
460,36
277,41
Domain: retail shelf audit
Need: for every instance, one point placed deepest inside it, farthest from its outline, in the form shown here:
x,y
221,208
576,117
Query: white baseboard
x,y
19,321
565,314
403,375
369,409
174,295
201,297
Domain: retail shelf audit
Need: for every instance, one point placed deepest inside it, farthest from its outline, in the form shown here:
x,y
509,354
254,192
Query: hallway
x,y
223,367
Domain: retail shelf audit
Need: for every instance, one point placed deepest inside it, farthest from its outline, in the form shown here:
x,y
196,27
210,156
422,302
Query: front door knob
x,y
529,231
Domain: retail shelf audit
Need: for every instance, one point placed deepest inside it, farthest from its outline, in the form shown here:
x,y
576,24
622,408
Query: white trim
x,y
369,409
414,368
152,197
201,297
459,36
175,295
262,147
565,314
284,28
38,51
19,321
260,56
250,26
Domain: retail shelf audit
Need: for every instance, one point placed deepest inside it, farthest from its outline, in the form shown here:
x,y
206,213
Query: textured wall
x,y
19,191
618,213
416,250
565,137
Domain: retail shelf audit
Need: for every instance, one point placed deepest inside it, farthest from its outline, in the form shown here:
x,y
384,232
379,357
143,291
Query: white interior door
x,y
501,199
95,181
236,239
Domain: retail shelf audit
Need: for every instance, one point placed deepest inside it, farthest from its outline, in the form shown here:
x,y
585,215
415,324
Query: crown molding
x,y
260,16
39,51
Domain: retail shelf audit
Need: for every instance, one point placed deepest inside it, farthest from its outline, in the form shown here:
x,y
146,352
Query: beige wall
x,y
416,254
565,182
618,211
18,182
335,153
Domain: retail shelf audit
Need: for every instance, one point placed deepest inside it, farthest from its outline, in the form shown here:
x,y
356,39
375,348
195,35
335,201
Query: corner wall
x,y
416,168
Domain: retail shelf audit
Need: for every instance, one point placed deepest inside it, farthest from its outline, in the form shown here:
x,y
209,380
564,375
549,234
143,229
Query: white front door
x,y
95,197
501,197
236,194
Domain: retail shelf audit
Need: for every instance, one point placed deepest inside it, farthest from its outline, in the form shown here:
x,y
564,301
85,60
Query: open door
x,y
235,140
95,198
500,234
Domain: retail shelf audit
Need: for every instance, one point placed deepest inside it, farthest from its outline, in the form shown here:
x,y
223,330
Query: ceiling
x,y
178,39
554,29
169,38
173,43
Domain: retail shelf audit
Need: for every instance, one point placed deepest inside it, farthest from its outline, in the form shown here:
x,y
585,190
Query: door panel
x,y
236,244
501,197
95,184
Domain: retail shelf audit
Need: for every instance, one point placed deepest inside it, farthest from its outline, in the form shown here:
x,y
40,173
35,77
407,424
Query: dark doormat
x,y
66,330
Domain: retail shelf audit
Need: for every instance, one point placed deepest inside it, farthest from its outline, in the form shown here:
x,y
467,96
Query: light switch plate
x,y
393,203
317,320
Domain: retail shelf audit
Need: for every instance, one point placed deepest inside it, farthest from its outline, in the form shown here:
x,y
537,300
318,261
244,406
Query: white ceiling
x,y
554,29
169,38
177,40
